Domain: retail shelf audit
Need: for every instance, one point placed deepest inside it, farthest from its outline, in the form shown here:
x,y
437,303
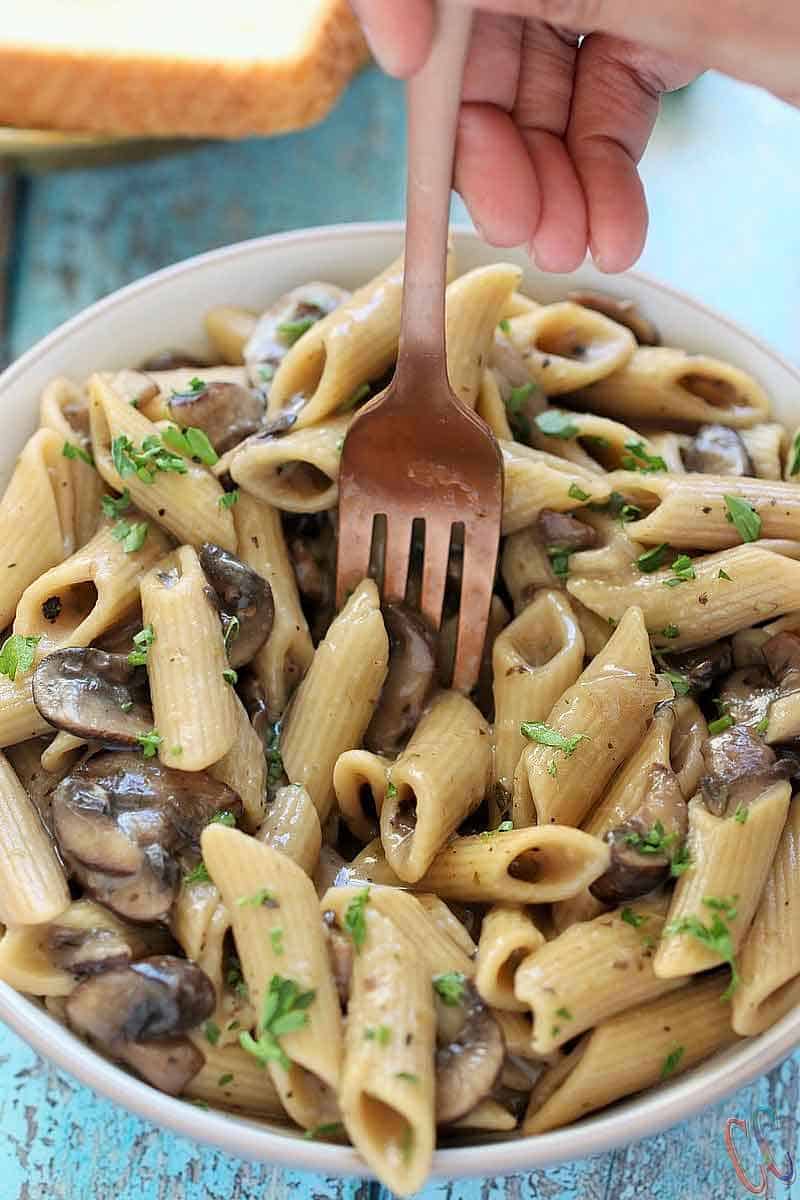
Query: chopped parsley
x,y
652,559
233,978
449,987
741,814
577,493
763,725
355,921
196,385
144,462
223,817
273,756
142,640
284,1011
515,407
231,631
212,1032
292,331
126,705
407,1076
554,422
670,631
505,325
684,571
794,465
115,506
617,507
681,861
225,1079
743,517
564,1013
266,372
721,724
655,841
198,874
559,561
633,918
716,936
391,791
358,395
230,676
70,450
724,575
228,499
150,742
331,1129
640,460
679,682
537,731
17,654
552,768
262,898
671,1062
132,537
191,442
503,827
276,941
381,1034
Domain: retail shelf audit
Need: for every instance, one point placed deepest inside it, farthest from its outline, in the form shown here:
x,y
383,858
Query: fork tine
x,y
477,584
434,569
355,543
398,553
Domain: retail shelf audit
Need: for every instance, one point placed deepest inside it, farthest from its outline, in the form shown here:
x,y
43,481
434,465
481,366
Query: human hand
x,y
551,133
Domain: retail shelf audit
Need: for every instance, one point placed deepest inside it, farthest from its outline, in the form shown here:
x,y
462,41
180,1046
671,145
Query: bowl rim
x,y
643,1116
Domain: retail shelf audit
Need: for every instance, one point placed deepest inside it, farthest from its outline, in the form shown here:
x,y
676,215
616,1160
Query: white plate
x,y
166,309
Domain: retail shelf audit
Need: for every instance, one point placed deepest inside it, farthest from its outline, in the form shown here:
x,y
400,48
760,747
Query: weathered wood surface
x,y
725,197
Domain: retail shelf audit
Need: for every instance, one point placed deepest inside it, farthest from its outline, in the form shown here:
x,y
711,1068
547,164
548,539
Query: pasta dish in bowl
x,y
260,855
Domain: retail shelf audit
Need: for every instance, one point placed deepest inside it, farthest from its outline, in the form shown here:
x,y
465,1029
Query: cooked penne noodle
x,y
765,446
334,703
535,480
508,937
597,443
286,655
596,631
525,567
599,719
634,1050
474,305
387,1089
244,769
359,780
234,1080
769,961
690,511
242,867
33,887
669,446
64,409
664,385
36,518
229,328
566,347
291,825
446,920
438,780
298,472
20,719
187,504
534,661
729,590
62,752
489,1116
686,748
194,707
730,862
491,407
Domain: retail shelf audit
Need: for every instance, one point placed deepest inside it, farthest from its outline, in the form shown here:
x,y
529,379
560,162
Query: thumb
x,y
399,34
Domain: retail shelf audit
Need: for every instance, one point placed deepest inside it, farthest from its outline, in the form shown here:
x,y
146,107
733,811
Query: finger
x,y
399,35
541,111
615,104
495,176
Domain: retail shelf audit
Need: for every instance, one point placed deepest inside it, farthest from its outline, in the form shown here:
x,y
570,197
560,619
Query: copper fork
x,y
415,451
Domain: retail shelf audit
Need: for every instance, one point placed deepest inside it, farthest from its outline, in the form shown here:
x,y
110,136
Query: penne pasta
x,y
535,480
566,347
298,472
765,446
474,304
508,937
233,1080
291,825
33,887
359,780
64,410
244,769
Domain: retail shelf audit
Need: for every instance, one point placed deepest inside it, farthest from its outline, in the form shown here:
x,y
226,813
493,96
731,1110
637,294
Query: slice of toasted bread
x,y
174,67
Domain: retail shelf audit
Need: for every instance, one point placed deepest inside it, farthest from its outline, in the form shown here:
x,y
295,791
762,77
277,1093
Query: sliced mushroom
x,y
634,871
411,676
311,541
739,767
746,695
717,450
121,821
702,666
146,1007
782,656
468,1063
93,695
268,344
561,531
88,939
624,312
226,412
244,596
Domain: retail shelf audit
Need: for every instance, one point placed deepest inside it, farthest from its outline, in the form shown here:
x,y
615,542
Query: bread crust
x,y
154,97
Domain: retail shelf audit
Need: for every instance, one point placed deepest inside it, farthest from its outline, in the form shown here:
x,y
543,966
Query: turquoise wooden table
x,y
724,186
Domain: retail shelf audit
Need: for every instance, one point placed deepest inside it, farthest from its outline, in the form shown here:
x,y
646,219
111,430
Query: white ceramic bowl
x,y
166,309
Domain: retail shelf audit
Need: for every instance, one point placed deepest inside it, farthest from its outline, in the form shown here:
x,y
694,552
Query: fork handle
x,y
433,101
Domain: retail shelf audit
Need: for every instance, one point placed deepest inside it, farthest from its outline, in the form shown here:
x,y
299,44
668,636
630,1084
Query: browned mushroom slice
x,y
746,695
121,821
624,312
283,323
226,412
642,850
739,767
717,450
88,939
469,1058
245,602
412,672
568,534
93,695
701,666
782,655
149,1004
